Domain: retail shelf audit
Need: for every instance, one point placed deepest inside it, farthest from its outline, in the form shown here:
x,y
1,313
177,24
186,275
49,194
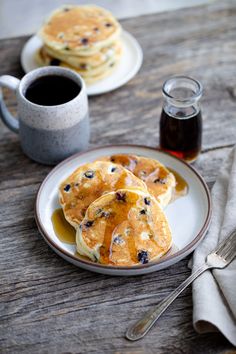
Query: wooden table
x,y
47,304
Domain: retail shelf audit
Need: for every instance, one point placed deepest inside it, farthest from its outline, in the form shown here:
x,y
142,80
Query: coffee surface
x,y
52,90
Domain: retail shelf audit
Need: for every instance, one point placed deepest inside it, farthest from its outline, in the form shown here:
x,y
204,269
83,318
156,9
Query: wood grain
x,y
50,306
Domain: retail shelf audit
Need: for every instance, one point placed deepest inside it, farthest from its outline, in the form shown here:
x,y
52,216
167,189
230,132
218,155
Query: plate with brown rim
x,y
188,216
126,69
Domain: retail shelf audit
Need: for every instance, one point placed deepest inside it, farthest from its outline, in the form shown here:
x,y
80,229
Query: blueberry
x,y
113,169
84,41
120,196
105,214
147,201
118,240
83,66
67,188
142,174
55,62
143,257
89,174
127,231
89,223
98,212
102,214
160,180
142,212
108,24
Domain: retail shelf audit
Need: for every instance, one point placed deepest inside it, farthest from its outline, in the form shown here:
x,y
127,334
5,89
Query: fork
x,y
219,258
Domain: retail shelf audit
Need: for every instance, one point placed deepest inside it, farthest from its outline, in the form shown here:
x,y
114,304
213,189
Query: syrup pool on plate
x,y
64,231
181,187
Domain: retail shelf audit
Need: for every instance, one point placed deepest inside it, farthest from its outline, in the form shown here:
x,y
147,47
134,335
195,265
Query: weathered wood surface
x,y
50,306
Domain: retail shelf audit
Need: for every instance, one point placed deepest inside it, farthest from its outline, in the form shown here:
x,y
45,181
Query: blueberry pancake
x,y
89,74
159,180
84,38
84,63
80,30
124,228
89,182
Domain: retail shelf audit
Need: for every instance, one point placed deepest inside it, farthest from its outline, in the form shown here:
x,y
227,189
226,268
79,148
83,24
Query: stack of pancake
x,y
83,38
116,206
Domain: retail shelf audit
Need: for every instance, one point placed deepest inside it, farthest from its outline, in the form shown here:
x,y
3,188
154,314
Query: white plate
x,y
188,216
128,67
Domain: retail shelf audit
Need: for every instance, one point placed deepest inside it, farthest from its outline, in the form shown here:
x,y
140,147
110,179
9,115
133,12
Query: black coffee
x,y
52,90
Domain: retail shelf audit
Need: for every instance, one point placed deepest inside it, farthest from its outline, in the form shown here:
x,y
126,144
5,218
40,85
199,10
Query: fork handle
x,y
141,327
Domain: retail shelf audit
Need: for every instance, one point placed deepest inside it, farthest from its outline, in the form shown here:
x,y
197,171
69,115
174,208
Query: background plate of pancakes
x,y
89,40
188,216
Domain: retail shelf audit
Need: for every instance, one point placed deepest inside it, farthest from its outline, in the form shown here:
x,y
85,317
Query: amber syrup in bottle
x,y
181,119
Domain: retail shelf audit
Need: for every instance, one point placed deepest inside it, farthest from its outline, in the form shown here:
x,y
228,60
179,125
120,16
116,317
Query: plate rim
x,y
181,253
134,71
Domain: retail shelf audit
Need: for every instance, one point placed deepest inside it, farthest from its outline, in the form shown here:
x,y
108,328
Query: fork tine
x,y
225,243
230,258
230,255
228,247
225,254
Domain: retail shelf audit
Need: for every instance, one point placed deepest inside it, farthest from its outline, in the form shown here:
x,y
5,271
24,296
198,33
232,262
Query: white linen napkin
x,y
214,292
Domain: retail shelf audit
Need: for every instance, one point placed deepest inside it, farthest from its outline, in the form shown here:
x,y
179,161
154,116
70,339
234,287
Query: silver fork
x,y
218,258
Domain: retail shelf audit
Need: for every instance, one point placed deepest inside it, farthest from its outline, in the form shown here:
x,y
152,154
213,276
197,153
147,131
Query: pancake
x,y
89,62
90,75
93,79
80,30
89,182
44,58
124,228
159,180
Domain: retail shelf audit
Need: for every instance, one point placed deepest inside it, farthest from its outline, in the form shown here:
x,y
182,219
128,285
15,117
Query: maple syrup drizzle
x,y
181,188
64,231
106,248
126,161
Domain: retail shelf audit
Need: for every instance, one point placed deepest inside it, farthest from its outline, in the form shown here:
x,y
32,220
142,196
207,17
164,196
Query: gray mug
x,y
48,134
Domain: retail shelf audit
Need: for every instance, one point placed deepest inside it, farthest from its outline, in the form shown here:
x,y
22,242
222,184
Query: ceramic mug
x,y
48,134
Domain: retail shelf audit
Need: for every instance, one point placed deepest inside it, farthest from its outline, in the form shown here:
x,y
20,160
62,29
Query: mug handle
x,y
12,83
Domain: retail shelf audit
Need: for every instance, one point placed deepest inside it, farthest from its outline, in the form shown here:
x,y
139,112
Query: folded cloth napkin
x,y
214,292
